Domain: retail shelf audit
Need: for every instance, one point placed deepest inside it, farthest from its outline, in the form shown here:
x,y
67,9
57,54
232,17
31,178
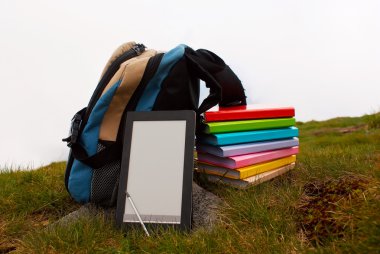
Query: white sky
x,y
322,57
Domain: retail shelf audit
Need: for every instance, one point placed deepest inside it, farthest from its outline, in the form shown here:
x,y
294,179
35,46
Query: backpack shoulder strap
x,y
225,87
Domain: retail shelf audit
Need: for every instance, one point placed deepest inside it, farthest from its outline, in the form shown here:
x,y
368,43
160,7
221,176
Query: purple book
x,y
246,148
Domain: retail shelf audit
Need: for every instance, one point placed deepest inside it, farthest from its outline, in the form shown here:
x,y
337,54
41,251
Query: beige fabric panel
x,y
132,72
118,52
118,75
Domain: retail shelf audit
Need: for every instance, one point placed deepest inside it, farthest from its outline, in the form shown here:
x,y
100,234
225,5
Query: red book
x,y
247,112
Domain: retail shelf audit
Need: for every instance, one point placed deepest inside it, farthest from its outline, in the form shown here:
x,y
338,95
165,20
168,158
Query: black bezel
x,y
186,209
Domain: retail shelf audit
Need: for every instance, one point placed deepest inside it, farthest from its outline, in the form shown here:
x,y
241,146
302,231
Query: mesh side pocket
x,y
105,183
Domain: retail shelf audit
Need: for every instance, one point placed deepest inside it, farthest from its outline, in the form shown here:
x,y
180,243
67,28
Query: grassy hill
x,y
329,203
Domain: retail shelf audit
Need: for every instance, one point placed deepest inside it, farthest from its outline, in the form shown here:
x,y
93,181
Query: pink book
x,y
240,161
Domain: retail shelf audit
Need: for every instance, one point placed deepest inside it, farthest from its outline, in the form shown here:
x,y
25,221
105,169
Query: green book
x,y
247,125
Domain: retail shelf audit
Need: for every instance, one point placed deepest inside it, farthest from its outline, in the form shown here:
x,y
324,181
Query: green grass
x,y
373,120
329,203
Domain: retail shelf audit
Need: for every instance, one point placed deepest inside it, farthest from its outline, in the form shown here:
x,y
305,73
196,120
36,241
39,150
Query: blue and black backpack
x,y
139,79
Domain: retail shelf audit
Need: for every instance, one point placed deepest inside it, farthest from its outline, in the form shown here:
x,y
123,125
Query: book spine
x,y
267,167
267,156
245,115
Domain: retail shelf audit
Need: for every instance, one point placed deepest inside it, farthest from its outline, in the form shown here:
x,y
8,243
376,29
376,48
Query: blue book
x,y
246,148
247,136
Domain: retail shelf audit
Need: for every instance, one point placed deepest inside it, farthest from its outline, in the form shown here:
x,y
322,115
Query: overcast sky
x,y
322,57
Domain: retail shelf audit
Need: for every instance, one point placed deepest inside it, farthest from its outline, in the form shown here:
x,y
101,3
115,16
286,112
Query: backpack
x,y
138,79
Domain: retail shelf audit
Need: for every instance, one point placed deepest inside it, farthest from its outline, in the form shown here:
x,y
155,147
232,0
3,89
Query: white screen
x,y
155,175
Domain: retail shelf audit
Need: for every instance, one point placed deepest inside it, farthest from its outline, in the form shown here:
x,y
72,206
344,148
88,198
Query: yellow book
x,y
241,173
253,180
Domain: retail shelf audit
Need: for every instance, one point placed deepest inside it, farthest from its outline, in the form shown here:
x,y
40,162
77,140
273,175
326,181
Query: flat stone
x,y
205,210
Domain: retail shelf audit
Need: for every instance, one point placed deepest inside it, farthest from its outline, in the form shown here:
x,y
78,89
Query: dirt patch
x,y
6,244
321,209
345,130
352,129
6,249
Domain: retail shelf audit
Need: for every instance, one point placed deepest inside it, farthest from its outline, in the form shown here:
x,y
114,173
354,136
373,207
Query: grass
x,y
29,201
328,204
373,120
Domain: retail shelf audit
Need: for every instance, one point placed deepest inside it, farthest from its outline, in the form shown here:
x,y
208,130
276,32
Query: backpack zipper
x,y
136,50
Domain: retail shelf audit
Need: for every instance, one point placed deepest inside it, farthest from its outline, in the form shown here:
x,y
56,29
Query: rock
x,y
205,210
205,207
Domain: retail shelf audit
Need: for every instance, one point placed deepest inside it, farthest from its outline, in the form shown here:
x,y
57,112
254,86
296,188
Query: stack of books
x,y
246,145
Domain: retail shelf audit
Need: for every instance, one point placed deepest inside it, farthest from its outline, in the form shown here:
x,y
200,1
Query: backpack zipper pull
x,y
139,48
